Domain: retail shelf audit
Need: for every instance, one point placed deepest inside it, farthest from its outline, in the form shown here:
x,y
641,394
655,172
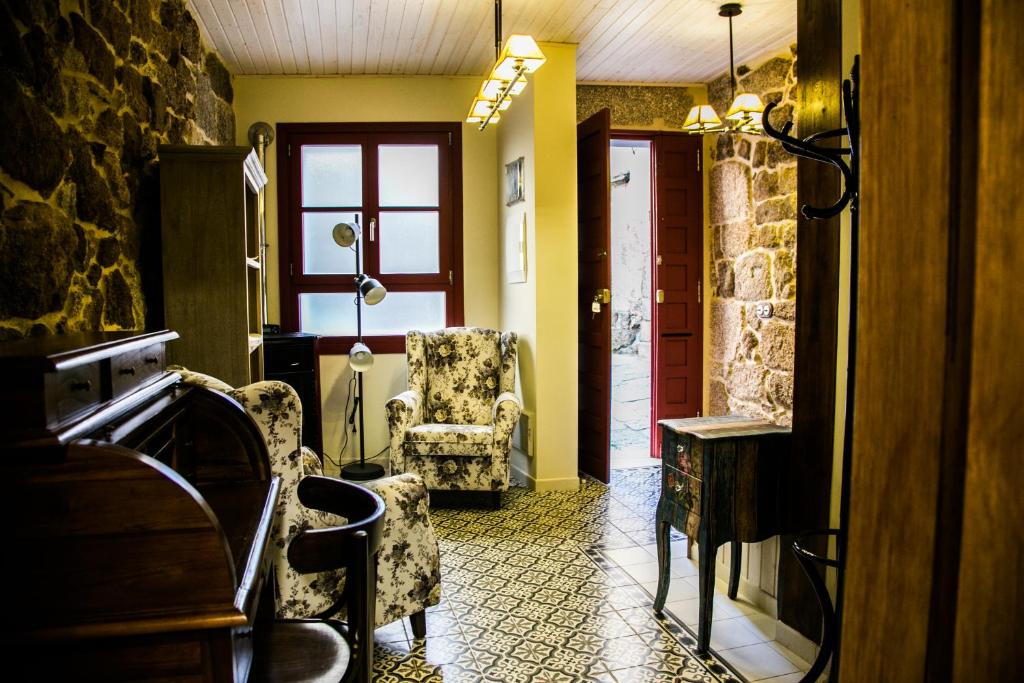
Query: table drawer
x,y
685,453
681,488
135,368
73,391
288,357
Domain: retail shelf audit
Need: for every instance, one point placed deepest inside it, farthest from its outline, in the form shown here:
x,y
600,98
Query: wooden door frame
x,y
652,136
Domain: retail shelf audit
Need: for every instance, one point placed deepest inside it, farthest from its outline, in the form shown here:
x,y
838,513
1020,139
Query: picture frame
x,y
514,182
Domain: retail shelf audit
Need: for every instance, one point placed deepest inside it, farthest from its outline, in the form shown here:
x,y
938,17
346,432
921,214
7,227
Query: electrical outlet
x,y
764,310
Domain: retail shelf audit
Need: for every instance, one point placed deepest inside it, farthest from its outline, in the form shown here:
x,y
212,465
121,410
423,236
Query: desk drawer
x,y
287,357
685,453
681,488
135,368
73,391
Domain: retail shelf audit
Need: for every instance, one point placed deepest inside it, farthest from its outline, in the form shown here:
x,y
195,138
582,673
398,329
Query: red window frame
x,y
293,282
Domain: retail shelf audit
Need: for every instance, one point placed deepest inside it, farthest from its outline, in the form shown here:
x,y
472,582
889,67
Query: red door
x,y
678,248
593,192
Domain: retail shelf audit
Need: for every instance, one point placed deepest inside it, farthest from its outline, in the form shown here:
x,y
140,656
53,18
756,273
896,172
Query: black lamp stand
x,y
362,470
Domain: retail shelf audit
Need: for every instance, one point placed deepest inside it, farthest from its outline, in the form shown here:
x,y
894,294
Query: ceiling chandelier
x,y
744,116
520,56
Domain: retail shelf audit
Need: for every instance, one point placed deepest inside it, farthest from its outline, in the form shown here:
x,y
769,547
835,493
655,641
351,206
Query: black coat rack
x,y
809,148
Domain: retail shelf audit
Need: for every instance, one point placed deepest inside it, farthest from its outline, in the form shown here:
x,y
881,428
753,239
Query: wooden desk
x,y
720,484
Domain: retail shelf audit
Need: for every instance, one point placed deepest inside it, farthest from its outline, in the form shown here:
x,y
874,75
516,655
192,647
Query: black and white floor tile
x,y
532,593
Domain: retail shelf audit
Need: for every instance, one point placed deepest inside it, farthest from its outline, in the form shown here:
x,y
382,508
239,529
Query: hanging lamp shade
x,y
492,88
702,119
746,111
518,50
479,110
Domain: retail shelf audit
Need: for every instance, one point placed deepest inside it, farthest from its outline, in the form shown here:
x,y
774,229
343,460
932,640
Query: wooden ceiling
x,y
638,41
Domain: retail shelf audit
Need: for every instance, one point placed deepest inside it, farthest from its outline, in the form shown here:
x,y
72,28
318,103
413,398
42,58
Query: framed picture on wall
x,y
514,182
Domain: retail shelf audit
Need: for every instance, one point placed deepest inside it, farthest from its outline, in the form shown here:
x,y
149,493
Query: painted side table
x,y
720,484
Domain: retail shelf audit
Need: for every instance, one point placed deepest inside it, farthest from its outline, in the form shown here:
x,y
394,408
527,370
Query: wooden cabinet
x,y
720,484
211,268
293,357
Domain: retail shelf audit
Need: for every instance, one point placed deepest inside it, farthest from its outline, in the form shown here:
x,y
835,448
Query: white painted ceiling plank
x,y
268,35
642,29
360,35
232,28
282,36
411,36
249,35
437,39
216,32
327,10
463,32
389,44
343,34
311,33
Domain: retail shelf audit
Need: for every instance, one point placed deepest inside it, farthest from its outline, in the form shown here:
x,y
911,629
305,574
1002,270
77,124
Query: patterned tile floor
x,y
531,593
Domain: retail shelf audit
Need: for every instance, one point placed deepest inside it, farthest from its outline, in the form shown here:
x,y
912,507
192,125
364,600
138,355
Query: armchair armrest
x,y
318,550
403,411
505,414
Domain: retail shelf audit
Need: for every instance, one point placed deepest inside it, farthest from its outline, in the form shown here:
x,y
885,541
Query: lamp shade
x,y
479,111
360,359
702,119
345,234
370,290
743,106
519,51
492,87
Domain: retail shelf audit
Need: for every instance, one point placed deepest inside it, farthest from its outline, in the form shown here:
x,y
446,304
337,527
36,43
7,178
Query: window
x,y
402,183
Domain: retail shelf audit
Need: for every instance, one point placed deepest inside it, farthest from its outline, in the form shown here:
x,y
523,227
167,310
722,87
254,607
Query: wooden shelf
x,y
299,652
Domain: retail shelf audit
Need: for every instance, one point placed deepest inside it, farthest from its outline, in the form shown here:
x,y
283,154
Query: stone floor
x,y
534,592
631,411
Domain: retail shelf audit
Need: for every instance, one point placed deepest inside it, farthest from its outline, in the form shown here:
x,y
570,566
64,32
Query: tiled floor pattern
x,y
533,592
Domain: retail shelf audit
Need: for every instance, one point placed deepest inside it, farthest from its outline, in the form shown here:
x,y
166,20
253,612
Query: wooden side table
x,y
720,484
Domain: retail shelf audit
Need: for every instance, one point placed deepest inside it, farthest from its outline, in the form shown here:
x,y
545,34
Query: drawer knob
x,y
81,386
680,448
152,360
679,488
295,364
128,371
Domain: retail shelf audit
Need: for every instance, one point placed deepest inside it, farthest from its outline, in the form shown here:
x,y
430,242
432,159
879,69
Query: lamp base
x,y
362,471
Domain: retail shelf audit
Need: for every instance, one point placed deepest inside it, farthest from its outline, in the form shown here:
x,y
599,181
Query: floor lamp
x,y
360,359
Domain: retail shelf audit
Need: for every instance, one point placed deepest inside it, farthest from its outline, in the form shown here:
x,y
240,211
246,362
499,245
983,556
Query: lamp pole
x,y
360,471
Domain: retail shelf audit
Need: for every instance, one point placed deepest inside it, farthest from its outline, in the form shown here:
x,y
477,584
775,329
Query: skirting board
x,y
561,484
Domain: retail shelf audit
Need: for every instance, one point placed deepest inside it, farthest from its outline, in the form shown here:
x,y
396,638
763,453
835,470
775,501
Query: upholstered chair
x,y
408,569
453,426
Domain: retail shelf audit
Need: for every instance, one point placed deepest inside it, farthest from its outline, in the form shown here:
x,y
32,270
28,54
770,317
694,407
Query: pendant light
x,y
744,115
507,78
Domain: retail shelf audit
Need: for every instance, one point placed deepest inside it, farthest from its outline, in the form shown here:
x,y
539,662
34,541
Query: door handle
x,y
659,296
373,228
603,296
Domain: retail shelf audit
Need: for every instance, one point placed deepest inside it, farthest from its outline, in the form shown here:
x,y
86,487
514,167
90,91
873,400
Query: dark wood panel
x,y
903,331
809,477
989,619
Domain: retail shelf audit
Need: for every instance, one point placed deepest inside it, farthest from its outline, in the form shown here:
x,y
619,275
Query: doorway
x,y
632,301
655,343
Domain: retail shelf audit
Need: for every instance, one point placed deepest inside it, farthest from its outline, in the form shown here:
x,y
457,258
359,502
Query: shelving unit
x,y
209,205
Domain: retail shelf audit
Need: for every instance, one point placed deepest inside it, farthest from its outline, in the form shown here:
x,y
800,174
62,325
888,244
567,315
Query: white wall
x,y
292,99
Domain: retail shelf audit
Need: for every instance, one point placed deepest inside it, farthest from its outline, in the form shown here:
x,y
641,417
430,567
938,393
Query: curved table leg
x,y
706,547
664,563
736,555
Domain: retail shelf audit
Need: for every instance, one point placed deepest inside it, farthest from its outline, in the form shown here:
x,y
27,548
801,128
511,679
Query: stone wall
x,y
88,89
636,106
752,193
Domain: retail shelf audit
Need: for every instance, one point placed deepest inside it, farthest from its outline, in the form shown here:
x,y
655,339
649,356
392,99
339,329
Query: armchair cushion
x,y
463,368
442,439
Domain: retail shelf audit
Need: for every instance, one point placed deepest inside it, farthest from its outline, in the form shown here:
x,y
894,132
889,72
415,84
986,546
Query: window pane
x,y
399,312
320,254
407,175
409,242
332,175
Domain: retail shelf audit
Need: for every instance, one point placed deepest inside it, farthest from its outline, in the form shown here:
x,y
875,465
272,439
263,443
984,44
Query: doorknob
x,y
603,296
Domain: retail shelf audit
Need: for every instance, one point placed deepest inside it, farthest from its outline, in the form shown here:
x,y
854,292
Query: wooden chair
x,y
353,547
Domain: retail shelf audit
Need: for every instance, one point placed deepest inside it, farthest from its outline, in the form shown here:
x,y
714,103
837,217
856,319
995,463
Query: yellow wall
x,y
292,99
541,127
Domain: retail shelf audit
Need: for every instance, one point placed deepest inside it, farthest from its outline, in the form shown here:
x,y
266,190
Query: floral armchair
x,y
453,426
408,564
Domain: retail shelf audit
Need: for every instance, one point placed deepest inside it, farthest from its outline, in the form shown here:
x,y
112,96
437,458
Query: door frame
x,y
652,136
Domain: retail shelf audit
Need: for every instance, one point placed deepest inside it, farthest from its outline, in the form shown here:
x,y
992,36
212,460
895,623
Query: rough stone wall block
x,y
752,188
88,90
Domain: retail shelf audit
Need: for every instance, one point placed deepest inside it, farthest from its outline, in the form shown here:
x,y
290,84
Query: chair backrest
x,y
460,371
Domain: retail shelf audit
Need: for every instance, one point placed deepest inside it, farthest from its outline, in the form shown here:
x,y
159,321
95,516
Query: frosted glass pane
x,y
335,314
332,175
409,242
407,175
320,254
